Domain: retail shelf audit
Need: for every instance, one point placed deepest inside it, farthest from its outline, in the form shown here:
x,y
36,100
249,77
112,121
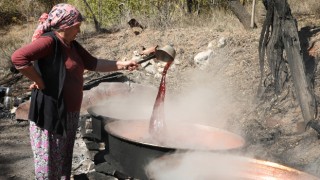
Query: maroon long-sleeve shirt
x,y
76,61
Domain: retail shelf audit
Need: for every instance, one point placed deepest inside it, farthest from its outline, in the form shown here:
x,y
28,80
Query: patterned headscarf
x,y
61,16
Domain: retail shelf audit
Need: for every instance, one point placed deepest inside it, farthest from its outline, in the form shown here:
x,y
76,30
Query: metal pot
x,y
98,121
200,165
8,91
165,54
8,102
184,136
130,143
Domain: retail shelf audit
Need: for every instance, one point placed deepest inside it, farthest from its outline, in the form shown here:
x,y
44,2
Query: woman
x,y
56,62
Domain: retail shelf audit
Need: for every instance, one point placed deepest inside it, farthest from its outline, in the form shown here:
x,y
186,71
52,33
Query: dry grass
x,y
306,12
305,7
11,38
220,20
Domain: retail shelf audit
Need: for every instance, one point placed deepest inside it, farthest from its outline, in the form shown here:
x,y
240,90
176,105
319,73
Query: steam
x,y
135,104
201,103
209,100
197,165
206,99
217,166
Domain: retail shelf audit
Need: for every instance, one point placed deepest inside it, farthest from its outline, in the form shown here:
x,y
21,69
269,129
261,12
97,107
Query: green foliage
x,y
47,4
16,11
161,12
7,47
8,12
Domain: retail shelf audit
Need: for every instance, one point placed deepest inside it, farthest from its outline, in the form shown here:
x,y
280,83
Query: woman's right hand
x,y
35,85
34,76
127,65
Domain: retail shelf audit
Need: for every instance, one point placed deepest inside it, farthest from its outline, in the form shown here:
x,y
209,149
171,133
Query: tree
x,y
280,44
96,23
241,13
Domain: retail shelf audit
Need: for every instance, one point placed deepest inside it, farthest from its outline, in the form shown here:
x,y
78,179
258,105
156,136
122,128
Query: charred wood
x,y
280,46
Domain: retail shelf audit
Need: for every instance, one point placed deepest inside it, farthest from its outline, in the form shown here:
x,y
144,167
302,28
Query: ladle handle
x,y
147,58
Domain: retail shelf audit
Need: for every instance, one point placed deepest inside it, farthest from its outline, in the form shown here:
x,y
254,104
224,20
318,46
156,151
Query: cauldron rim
x,y
91,111
131,140
110,132
169,160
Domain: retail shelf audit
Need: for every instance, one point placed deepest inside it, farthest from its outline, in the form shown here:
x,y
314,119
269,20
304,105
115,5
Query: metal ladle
x,y
165,54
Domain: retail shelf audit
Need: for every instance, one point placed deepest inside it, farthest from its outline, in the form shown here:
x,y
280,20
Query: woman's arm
x,y
35,50
107,65
103,65
33,75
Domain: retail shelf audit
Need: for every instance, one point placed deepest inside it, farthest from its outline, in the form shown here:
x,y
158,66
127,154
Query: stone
x,y
222,42
92,154
105,168
22,111
91,145
96,176
202,59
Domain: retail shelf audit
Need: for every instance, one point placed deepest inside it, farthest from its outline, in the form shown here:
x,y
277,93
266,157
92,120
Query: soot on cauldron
x,y
215,166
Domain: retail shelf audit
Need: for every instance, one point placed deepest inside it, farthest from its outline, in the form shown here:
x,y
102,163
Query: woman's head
x,y
62,16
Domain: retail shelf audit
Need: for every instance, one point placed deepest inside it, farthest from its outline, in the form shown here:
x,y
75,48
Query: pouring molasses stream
x,y
157,124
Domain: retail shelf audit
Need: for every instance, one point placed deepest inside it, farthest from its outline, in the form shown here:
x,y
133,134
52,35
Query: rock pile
x,y
89,160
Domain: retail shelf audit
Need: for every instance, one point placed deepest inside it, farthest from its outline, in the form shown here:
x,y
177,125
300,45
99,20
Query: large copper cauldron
x,y
183,136
130,143
214,166
123,123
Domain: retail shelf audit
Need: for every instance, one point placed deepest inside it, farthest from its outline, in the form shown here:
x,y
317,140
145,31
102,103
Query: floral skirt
x,y
52,152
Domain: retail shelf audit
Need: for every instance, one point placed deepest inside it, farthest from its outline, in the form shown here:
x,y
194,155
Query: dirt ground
x,y
269,126
15,153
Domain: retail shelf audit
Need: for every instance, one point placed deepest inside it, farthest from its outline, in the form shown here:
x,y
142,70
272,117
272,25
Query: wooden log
x,y
284,37
275,58
302,85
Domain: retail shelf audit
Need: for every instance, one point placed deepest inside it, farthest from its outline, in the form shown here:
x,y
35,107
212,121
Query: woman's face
x,y
71,33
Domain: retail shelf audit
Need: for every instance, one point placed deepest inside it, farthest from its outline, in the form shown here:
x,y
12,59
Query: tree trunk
x,y
96,23
253,13
302,85
284,38
241,13
189,6
275,57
